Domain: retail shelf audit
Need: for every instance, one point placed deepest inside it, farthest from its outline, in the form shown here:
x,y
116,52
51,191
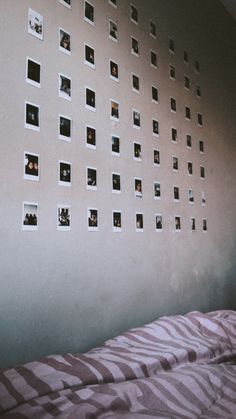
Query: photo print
x,y
155,127
204,224
64,128
186,82
91,137
64,41
116,188
172,72
187,113
114,71
32,114
158,220
171,46
66,3
35,24
90,99
91,178
190,196
113,29
115,145
154,94
203,199
113,3
64,87
202,172
156,157
193,224
139,221
173,104
64,173
198,91
114,110
174,136
137,152
133,14
135,83
138,187
175,163
31,166
134,46
200,119
136,119
30,216
92,215
176,193
116,221
157,190
177,223
88,12
190,168
189,141
63,217
201,146
33,72
89,56
152,29
153,59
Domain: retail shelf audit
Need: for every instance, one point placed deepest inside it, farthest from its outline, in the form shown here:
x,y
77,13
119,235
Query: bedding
x,y
181,366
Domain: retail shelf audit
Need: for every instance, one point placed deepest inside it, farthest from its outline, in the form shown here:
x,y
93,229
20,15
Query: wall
x,y
67,291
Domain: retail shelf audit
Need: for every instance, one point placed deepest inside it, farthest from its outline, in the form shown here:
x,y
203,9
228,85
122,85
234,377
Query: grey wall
x,y
67,291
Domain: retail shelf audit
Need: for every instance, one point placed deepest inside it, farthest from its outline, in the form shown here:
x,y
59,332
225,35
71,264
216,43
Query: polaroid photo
x,y
92,216
66,3
203,199
113,30
174,135
64,41
198,91
176,193
187,113
138,187
190,168
90,98
139,222
64,173
135,83
91,173
31,166
156,157
158,222
155,128
116,221
116,187
134,46
35,24
202,172
186,82
90,136
33,72
186,57
136,119
115,145
63,217
30,216
113,3
133,14
204,224
155,94
157,190
89,56
189,141
175,164
114,73
152,29
171,46
190,196
172,72
88,12
153,59
193,224
201,146
114,110
137,152
65,125
177,223
32,116
173,104
64,87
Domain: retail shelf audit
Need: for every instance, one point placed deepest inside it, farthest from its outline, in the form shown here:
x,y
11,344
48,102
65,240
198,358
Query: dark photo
x,y
189,141
152,29
190,196
114,70
64,40
133,13
63,217
89,12
136,119
177,223
66,3
31,166
174,135
113,30
193,224
202,172
89,55
154,94
175,163
138,188
64,128
139,222
32,116
156,157
155,127
190,168
137,151
134,46
92,215
135,82
158,222
90,98
91,137
115,145
33,72
64,173
64,87
91,178
114,110
153,59
116,182
204,224
116,221
176,193
157,190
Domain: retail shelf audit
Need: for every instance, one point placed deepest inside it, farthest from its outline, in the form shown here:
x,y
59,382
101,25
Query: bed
x,y
181,366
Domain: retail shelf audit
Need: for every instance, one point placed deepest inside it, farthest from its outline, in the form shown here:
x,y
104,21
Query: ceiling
x,y
230,6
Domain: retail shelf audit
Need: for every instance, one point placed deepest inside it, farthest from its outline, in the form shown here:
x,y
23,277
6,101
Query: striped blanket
x,y
175,367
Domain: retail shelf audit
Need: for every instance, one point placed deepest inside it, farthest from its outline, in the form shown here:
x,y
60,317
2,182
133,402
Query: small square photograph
x,y
189,141
138,187
158,220
157,190
64,87
204,224
176,193
172,72
137,152
35,24
202,172
171,46
92,215
66,3
64,41
91,137
153,59
64,173
114,71
90,99
134,46
135,83
30,216
190,196
136,119
174,135
190,168
139,221
133,14
113,30
177,223
154,94
155,127
33,70
187,113
115,145
64,128
175,163
114,110
89,56
63,217
116,188
113,3
201,146
193,224
91,178
31,166
203,199
199,119
88,12
152,29
32,113
116,221
156,157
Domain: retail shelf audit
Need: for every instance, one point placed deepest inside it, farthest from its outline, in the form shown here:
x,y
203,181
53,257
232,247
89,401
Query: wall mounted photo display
x,y
90,136
30,216
65,125
186,82
204,224
186,58
113,30
32,116
199,119
89,57
198,91
152,29
66,3
189,141
33,72
91,174
154,94
202,172
133,14
64,41
153,59
174,135
190,196
203,199
115,145
173,104
155,128
187,113
175,163
171,45
92,216
137,152
35,24
113,3
176,193
157,190
172,72
116,186
114,110
177,223
138,190
134,46
139,221
63,217
89,12
156,157
114,73
193,224
135,83
31,166
64,169
201,146
116,221
64,87
190,168
136,119
90,99
158,222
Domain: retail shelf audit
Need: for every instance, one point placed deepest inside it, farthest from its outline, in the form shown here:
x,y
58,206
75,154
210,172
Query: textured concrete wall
x,y
69,290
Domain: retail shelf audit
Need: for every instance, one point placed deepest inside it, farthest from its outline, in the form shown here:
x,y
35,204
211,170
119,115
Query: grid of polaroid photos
x,y
32,121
